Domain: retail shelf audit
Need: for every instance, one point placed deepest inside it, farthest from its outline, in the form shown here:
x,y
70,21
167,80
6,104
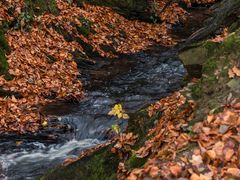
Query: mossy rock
x,y
215,86
38,7
131,9
4,48
195,55
137,5
103,164
3,63
3,42
85,29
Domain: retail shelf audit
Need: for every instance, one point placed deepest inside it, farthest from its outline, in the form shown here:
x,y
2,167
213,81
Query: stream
x,y
134,80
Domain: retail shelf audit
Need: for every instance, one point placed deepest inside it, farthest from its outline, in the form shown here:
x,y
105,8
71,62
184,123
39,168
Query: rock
x,y
4,48
38,7
193,56
223,129
234,84
133,9
193,60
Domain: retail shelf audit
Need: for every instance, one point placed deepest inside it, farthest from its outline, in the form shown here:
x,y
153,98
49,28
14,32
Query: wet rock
x,y
193,59
193,56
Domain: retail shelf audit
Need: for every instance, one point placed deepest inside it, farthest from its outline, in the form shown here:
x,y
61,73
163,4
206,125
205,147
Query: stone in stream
x,y
193,59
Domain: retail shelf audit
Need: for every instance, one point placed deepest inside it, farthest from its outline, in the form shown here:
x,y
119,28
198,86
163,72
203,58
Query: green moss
x,y
3,63
3,42
196,91
67,36
85,29
102,166
88,49
4,48
231,43
135,162
210,46
210,65
212,89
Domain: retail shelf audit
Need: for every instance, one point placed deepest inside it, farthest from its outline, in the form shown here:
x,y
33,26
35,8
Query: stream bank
x,y
210,93
153,76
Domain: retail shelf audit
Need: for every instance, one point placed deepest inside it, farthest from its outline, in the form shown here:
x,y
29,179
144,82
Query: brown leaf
x,y
196,160
211,154
228,154
231,74
218,148
176,170
236,71
234,172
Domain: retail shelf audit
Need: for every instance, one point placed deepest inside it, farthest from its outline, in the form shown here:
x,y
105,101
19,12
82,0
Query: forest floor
x,y
193,134
41,52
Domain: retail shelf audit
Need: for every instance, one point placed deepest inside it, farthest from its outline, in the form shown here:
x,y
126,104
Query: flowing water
x,y
133,81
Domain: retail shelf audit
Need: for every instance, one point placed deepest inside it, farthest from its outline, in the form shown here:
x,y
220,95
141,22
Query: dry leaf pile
x,y
15,6
123,146
215,156
36,78
41,60
109,28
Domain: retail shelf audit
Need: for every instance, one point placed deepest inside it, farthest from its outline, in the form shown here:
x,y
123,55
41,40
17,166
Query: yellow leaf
x,y
119,115
45,123
125,116
111,113
19,143
118,111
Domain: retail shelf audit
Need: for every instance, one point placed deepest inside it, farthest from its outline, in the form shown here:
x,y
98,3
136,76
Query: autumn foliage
x,y
215,144
41,60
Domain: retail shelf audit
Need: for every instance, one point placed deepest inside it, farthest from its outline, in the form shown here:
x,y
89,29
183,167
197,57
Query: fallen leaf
x,y
45,124
196,160
228,154
236,71
175,170
231,74
211,154
234,172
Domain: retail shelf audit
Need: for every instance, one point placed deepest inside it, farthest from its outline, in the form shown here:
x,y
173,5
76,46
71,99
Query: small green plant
x,y
196,91
116,128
